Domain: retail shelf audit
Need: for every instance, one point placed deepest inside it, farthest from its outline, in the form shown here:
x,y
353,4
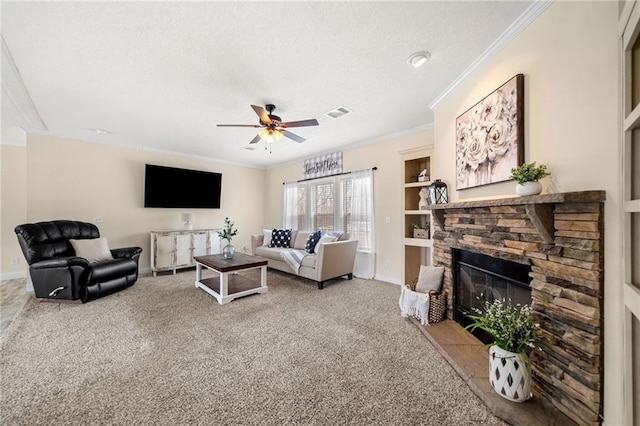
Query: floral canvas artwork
x,y
489,137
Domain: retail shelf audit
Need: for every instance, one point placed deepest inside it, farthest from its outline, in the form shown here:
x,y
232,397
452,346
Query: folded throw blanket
x,y
414,304
294,258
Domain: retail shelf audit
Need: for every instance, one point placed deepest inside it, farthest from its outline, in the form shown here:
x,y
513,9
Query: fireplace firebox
x,y
479,278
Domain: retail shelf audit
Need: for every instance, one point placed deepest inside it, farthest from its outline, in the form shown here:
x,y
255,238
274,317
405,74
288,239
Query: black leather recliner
x,y
56,271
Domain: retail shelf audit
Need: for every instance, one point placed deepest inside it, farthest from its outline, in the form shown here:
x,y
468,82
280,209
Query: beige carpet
x,y
164,352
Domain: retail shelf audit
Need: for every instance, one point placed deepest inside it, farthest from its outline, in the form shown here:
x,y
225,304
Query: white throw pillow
x,y
267,237
326,239
93,250
429,278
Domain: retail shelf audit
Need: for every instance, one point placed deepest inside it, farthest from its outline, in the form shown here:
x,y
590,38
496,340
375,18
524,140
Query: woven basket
x,y
437,303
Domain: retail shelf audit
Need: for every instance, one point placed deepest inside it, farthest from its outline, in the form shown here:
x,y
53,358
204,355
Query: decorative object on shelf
x,y
423,203
490,136
423,176
438,192
187,221
512,329
228,233
421,230
527,175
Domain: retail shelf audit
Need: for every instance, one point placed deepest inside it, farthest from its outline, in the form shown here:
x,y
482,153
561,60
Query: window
x,y
340,203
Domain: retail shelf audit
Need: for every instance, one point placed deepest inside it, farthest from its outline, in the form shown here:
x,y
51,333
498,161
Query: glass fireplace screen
x,y
481,279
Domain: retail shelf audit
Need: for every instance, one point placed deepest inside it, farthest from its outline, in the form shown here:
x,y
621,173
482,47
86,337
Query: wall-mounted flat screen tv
x,y
181,188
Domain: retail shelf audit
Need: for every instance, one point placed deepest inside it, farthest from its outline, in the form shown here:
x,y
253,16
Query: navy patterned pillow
x,y
313,239
281,238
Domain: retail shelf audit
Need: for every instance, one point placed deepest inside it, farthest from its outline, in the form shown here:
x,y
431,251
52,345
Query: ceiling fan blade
x,y
293,136
239,125
256,139
301,123
264,117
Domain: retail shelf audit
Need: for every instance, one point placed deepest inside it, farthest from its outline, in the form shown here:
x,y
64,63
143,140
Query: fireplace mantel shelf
x,y
539,207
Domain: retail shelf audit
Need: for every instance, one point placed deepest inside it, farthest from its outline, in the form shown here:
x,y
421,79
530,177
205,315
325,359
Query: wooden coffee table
x,y
229,285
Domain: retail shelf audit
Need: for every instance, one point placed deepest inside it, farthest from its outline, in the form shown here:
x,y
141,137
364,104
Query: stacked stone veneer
x,y
561,237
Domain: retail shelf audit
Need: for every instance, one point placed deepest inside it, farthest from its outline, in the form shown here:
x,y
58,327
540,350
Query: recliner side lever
x,y
55,291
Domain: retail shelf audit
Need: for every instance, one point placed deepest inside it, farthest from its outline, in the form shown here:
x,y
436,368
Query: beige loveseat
x,y
331,260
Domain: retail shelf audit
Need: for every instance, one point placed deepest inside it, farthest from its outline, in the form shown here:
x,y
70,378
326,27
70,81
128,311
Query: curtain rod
x,y
322,177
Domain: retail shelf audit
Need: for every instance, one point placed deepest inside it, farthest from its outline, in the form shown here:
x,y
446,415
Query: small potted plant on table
x,y
228,233
527,175
513,330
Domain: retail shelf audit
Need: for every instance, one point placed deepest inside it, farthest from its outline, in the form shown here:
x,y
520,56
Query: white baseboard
x,y
392,280
13,275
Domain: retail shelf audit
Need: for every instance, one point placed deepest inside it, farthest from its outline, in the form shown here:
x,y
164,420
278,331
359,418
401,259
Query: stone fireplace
x,y
560,238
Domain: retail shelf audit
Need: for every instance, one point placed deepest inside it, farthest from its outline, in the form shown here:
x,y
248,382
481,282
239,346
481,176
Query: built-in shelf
x,y
417,184
418,242
415,251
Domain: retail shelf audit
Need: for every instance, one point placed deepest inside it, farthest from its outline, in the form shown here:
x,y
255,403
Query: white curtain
x,y
290,207
362,223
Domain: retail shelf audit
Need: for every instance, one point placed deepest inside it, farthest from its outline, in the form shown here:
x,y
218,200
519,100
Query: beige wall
x,y
387,195
570,62
13,207
70,179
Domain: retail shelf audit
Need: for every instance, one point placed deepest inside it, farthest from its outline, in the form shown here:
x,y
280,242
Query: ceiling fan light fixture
x,y
418,59
270,136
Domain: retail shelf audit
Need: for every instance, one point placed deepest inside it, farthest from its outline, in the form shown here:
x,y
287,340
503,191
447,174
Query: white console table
x,y
176,249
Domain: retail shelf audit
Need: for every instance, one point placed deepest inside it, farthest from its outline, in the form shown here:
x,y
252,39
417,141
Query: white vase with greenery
x,y
527,176
513,330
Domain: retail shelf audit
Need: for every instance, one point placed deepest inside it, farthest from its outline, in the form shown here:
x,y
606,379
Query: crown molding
x,y
519,25
16,93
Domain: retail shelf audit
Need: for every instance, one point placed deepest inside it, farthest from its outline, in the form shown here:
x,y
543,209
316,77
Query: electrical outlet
x,y
387,264
245,249
98,219
15,260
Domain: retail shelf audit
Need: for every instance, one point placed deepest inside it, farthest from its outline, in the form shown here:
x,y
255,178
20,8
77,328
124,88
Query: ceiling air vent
x,y
338,112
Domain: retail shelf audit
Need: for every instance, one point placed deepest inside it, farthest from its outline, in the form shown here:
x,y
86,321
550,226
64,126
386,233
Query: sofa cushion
x,y
309,261
312,241
94,250
281,238
300,240
272,253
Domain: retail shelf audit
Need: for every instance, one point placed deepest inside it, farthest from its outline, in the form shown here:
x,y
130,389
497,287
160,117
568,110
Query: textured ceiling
x,y
161,75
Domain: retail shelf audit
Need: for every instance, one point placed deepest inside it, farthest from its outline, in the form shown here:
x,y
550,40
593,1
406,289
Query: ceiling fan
x,y
273,129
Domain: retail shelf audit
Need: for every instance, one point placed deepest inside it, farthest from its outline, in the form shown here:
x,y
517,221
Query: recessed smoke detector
x,y
338,112
418,59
